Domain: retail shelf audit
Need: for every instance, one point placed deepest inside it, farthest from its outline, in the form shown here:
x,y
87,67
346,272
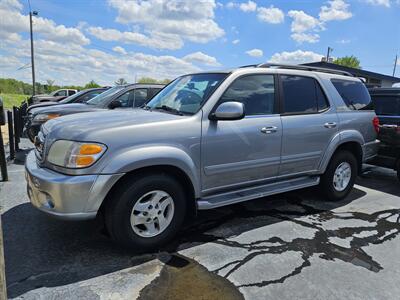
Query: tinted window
x,y
139,97
386,105
302,95
353,93
71,93
89,96
126,99
256,92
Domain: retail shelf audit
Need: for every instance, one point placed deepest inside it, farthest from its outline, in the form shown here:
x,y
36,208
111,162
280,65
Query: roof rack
x,y
304,68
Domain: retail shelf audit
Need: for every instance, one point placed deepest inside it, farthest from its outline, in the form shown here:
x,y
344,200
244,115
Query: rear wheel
x,y
339,177
145,213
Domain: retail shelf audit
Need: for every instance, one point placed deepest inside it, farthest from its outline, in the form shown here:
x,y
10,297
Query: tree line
x,y
13,86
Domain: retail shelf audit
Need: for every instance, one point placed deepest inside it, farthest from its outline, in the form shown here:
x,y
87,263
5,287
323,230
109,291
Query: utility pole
x,y
32,13
328,54
394,67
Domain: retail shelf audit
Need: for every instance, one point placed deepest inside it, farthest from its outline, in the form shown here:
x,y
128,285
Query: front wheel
x,y
339,177
145,213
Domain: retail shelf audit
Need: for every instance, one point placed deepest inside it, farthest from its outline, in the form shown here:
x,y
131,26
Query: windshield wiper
x,y
169,109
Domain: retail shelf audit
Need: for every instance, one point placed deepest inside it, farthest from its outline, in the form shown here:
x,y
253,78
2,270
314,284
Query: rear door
x,y
308,124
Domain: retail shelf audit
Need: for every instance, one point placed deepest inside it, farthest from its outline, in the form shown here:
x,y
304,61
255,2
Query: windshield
x,y
103,97
186,94
72,98
386,105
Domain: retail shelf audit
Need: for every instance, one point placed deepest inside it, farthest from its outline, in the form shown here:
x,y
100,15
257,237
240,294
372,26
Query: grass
x,y
13,99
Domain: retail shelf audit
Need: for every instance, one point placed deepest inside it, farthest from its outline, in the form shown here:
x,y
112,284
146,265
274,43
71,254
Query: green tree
x,y
152,80
348,61
91,84
121,81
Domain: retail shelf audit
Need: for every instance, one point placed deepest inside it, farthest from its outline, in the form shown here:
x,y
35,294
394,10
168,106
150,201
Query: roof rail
x,y
249,66
304,68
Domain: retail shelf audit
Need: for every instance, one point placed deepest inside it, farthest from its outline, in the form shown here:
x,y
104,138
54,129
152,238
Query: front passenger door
x,y
243,152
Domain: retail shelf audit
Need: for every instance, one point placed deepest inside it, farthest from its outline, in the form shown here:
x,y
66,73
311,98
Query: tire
x,y
337,191
124,203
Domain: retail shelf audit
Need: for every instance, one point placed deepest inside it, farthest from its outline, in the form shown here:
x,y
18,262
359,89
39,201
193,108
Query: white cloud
x,y
379,2
335,10
13,22
295,57
343,41
271,15
235,42
157,40
305,37
255,52
201,58
303,22
119,50
248,6
178,20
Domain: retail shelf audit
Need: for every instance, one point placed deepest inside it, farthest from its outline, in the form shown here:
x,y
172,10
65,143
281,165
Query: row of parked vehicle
x,y
205,140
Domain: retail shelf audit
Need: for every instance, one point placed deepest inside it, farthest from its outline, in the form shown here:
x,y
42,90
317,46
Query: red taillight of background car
x,y
375,122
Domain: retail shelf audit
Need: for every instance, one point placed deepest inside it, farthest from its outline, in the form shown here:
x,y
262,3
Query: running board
x,y
256,192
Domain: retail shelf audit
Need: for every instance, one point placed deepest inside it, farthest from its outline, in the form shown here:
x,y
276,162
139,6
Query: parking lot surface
x,y
293,245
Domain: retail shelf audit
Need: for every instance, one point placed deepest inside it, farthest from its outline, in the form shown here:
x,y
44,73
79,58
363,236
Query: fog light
x,y
46,201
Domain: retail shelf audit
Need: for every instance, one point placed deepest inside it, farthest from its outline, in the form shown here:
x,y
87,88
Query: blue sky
x,y
77,40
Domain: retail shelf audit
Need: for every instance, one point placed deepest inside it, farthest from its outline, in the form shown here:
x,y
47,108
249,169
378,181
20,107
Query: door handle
x,y
330,125
269,129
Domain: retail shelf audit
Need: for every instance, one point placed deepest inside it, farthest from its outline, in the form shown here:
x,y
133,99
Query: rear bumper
x,y
64,196
370,150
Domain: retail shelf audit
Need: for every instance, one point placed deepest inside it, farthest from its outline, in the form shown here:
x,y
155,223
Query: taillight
x,y
375,122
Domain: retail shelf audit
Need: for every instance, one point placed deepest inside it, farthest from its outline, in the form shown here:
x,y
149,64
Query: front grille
x,y
39,146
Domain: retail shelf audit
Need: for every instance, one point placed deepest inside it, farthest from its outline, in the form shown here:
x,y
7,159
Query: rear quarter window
x,y
354,94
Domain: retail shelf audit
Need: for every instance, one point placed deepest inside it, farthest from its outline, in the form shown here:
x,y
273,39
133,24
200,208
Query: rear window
x,y
354,94
386,105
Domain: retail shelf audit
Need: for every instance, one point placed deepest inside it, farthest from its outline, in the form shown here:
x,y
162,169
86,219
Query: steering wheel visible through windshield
x,y
186,94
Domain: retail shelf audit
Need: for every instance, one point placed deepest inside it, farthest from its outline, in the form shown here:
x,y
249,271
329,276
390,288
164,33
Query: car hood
x,y
105,124
64,109
41,105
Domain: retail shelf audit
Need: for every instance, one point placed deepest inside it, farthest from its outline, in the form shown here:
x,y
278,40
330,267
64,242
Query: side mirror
x,y
228,111
115,104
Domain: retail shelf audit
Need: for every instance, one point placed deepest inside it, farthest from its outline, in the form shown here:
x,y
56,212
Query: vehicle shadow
x,y
41,251
380,179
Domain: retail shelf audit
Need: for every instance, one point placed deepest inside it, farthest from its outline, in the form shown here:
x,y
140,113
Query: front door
x,y
245,151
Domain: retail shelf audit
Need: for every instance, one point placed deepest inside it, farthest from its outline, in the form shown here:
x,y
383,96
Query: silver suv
x,y
206,140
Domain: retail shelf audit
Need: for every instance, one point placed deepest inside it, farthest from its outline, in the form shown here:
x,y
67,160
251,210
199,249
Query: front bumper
x,y
64,196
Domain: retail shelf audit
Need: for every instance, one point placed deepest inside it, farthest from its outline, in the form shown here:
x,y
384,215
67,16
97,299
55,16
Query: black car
x,y
80,97
387,108
121,96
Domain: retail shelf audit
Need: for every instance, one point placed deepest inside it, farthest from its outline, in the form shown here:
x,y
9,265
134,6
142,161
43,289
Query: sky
x,y
81,40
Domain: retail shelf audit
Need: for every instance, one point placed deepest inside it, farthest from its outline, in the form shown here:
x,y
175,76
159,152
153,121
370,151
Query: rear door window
x,y
302,95
354,94
386,105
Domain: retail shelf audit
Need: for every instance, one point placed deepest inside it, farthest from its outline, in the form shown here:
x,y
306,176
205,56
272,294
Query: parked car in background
x,y
387,108
80,97
121,96
206,140
54,96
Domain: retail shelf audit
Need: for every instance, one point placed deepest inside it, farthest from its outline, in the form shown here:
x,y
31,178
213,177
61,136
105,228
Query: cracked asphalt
x,y
294,245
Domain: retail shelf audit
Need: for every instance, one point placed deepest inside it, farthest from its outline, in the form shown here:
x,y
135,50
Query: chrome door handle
x,y
330,125
269,129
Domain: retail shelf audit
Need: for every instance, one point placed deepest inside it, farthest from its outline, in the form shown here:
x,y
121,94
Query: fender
x,y
135,158
340,138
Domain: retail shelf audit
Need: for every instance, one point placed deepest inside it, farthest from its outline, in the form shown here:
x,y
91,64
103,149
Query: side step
x,y
256,192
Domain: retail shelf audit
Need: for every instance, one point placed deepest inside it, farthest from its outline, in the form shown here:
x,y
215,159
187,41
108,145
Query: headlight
x,y
70,154
45,117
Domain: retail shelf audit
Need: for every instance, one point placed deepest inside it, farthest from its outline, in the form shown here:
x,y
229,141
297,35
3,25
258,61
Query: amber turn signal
x,y
84,160
90,149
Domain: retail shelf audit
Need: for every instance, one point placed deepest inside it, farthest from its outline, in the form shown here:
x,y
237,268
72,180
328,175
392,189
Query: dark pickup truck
x,y
387,108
